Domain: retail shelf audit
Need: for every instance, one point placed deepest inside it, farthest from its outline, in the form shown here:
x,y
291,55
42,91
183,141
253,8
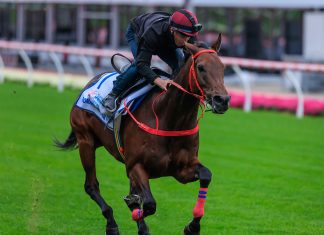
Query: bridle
x,y
192,81
193,77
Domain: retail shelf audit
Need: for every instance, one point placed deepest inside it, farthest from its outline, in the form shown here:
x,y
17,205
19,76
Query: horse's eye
x,y
201,68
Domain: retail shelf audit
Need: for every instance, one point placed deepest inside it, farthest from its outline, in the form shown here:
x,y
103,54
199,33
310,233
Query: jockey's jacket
x,y
153,37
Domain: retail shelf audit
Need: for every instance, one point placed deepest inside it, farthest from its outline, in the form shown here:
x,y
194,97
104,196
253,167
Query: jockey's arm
x,y
143,63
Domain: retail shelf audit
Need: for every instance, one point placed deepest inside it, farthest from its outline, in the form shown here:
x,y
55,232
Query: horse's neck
x,y
178,109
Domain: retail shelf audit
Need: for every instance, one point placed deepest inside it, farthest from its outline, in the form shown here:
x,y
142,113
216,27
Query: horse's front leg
x,y
204,175
140,201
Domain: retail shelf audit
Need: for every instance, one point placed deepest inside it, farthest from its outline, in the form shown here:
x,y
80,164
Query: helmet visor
x,y
197,27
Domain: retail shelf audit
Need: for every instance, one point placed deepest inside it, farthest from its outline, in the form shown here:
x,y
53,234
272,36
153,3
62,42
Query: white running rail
x,y
236,63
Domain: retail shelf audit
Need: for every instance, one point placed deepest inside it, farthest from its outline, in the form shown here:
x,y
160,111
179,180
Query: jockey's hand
x,y
162,83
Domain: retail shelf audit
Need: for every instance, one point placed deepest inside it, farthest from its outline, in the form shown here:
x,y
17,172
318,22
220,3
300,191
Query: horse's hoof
x,y
144,233
112,231
187,231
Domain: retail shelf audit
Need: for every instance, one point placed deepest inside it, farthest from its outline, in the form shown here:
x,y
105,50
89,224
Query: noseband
x,y
201,97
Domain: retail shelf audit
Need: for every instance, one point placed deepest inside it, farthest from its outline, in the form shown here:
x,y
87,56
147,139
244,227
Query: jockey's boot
x,y
110,102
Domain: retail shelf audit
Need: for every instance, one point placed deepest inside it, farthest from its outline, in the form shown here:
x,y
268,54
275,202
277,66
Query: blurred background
x,y
288,31
253,29
268,166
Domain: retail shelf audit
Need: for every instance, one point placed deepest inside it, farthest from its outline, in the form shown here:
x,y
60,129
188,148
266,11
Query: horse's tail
x,y
69,144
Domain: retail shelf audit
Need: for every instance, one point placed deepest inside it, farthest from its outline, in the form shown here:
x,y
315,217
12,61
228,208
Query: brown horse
x,y
149,155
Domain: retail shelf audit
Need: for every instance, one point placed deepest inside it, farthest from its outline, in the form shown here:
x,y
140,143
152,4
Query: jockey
x,y
157,33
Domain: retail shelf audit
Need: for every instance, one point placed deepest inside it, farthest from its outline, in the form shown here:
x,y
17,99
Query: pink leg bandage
x,y
137,214
198,210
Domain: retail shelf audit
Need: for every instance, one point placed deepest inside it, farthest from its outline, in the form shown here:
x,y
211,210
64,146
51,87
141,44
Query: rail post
x,y
86,64
60,70
1,70
293,77
29,66
246,86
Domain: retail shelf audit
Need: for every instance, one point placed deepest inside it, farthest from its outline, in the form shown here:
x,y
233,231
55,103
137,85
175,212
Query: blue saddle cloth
x,y
103,86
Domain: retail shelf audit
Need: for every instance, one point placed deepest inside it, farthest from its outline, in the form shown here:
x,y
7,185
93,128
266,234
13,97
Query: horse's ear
x,y
217,45
192,49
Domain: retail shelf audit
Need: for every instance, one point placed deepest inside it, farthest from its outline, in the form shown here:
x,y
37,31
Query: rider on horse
x,y
157,33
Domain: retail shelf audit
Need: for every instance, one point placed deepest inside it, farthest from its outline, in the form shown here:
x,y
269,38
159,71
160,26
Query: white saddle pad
x,y
103,86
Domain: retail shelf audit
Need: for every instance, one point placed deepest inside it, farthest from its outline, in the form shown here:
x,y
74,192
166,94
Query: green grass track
x,y
268,173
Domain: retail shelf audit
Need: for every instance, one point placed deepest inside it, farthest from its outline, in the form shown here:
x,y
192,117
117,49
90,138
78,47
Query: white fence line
x,y
236,63
52,51
275,65
1,70
287,67
44,47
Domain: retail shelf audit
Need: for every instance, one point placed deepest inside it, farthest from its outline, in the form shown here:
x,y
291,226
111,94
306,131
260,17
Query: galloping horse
x,y
170,150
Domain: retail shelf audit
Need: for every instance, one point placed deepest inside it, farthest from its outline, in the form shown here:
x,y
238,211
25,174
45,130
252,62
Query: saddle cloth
x,y
103,86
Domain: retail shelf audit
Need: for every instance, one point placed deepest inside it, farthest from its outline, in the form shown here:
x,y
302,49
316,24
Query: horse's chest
x,y
183,157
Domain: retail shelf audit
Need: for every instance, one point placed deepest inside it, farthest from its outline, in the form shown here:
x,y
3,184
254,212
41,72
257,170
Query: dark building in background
x,y
253,38
294,37
264,33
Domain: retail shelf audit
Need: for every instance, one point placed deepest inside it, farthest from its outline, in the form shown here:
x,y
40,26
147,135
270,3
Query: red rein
x,y
192,78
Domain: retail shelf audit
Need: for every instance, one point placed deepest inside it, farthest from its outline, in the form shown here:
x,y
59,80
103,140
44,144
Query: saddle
x,y
131,97
121,63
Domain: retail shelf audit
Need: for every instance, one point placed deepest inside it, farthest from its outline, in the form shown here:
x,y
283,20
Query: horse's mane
x,y
200,44
187,54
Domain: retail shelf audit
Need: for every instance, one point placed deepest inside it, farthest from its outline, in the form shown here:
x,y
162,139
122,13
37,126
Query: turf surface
x,y
268,173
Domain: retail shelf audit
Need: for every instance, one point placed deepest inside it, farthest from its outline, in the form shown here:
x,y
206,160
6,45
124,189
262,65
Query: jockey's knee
x,y
125,79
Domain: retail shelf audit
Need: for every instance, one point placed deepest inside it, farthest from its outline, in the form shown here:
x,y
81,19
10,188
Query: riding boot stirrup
x,y
110,102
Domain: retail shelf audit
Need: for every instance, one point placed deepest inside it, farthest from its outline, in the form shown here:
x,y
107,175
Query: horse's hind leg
x,y
91,186
140,194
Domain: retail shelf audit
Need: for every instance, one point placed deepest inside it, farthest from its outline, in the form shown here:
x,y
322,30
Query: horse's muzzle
x,y
220,103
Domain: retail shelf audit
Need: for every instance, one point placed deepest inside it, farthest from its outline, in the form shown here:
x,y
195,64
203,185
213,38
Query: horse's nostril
x,y
222,99
217,99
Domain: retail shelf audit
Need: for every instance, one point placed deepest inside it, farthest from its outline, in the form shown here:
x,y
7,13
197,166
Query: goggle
x,y
197,27
194,29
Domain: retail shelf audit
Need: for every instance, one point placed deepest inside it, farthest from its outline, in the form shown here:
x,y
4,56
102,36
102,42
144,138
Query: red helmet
x,y
185,22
